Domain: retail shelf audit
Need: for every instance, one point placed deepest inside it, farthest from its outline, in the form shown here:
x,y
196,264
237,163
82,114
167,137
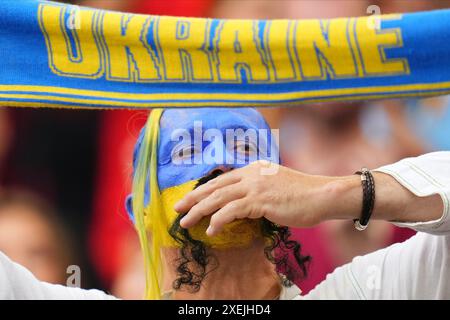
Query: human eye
x,y
245,148
184,154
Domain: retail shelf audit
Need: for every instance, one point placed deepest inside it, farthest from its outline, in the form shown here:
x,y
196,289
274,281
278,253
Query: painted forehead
x,y
174,121
217,118
211,118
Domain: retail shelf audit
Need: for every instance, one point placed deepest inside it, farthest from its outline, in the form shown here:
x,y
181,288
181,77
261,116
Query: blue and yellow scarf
x,y
57,55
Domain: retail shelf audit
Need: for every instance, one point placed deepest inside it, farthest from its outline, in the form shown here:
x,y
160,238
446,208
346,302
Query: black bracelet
x,y
368,186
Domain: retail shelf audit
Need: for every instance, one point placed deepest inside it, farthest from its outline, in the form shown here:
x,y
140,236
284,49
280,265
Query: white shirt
x,y
418,268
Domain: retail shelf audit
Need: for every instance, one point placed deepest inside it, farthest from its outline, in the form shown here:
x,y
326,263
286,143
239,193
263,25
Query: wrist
x,y
391,198
345,194
342,198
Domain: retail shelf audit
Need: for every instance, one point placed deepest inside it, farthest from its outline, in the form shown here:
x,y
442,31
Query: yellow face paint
x,y
237,234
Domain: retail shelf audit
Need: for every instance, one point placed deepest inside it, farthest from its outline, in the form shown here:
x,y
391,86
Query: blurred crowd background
x,y
64,174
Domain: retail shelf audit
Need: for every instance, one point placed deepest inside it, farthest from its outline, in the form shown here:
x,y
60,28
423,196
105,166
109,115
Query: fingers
x,y
230,212
213,202
203,191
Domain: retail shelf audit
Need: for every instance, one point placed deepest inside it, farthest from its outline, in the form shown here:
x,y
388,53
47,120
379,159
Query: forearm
x,y
414,190
393,202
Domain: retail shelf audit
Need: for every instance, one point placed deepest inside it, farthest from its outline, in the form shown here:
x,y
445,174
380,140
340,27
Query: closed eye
x,y
184,154
245,148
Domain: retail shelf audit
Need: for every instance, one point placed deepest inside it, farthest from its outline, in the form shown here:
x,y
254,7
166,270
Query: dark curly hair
x,y
196,260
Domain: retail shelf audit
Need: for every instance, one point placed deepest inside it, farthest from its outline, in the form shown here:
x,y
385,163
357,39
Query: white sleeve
x,y
418,268
18,283
424,176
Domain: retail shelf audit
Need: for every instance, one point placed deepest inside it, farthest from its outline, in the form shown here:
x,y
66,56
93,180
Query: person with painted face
x,y
209,221
195,146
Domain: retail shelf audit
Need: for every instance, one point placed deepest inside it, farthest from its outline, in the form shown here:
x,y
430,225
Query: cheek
x,y
238,234
172,195
167,215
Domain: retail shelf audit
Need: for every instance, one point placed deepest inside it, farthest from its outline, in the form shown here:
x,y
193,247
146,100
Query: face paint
x,y
159,181
201,132
247,229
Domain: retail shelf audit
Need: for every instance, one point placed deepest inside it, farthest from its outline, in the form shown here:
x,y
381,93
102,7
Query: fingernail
x,y
182,222
210,231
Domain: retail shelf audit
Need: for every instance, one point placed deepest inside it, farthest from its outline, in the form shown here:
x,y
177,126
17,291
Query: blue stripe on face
x,y
179,128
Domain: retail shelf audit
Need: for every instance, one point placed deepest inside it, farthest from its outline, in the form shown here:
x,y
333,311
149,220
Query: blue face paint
x,y
195,141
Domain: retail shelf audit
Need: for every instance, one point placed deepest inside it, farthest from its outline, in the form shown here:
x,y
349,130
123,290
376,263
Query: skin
x,y
295,199
231,281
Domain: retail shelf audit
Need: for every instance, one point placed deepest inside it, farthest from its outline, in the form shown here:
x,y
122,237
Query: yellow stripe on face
x,y
234,235
169,197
